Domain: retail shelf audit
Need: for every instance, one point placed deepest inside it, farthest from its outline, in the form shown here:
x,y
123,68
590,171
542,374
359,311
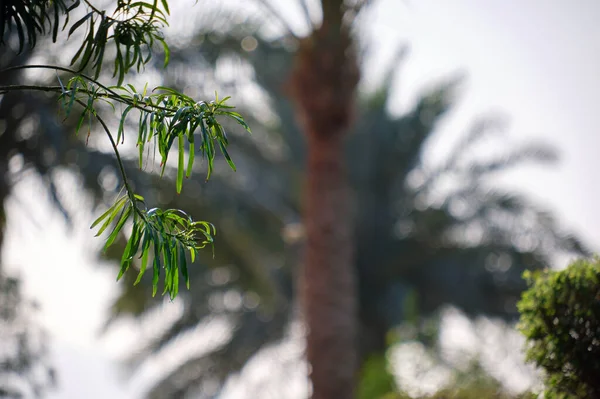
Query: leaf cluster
x,y
134,27
164,115
31,19
165,234
560,318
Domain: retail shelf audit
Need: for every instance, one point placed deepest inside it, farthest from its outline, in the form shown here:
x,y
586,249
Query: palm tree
x,y
323,88
419,241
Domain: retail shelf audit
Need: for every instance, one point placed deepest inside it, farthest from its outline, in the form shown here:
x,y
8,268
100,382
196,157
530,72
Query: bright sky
x,y
537,62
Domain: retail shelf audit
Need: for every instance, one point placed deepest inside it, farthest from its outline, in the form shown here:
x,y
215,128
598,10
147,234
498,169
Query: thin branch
x,y
62,69
90,5
130,192
111,95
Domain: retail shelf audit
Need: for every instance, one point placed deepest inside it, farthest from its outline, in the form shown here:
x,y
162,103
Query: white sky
x,y
535,61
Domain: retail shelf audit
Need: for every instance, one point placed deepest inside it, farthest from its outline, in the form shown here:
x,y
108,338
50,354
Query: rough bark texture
x,y
323,87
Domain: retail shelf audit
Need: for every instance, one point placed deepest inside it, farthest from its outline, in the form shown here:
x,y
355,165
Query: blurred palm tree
x,y
427,236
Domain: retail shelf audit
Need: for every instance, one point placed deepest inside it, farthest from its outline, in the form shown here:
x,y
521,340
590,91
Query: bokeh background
x,y
473,157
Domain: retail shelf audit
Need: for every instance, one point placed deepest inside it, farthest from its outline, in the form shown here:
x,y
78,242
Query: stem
x,y
116,95
58,68
130,193
92,7
111,95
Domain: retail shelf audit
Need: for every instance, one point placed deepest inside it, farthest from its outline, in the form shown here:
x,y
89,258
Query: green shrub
x,y
560,318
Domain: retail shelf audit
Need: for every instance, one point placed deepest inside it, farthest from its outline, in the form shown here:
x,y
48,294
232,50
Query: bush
x,y
560,318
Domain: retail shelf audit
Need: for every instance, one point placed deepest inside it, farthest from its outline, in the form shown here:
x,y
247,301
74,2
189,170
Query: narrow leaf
x,y
180,167
183,266
191,155
227,157
145,252
79,23
118,227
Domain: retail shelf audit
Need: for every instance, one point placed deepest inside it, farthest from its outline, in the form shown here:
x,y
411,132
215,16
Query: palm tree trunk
x,y
327,285
323,86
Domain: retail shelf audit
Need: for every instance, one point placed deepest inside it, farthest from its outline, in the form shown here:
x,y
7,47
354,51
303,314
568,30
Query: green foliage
x,y
134,27
31,18
560,317
165,115
170,233
376,381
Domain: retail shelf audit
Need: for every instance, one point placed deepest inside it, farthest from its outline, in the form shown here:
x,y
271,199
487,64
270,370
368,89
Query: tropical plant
x,y
560,318
421,243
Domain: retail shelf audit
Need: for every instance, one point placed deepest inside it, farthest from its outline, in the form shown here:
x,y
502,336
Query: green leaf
x,y
207,149
165,5
79,23
80,121
136,236
89,47
180,167
167,52
175,284
227,157
130,250
56,22
106,213
113,235
145,252
156,265
111,213
183,266
73,94
191,155
175,93
239,120
120,132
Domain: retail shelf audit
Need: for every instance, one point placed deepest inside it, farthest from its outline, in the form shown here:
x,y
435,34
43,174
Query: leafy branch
x,y
134,27
164,115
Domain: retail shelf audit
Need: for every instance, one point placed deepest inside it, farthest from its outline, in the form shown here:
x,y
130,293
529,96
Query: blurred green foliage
x,y
376,381
560,317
